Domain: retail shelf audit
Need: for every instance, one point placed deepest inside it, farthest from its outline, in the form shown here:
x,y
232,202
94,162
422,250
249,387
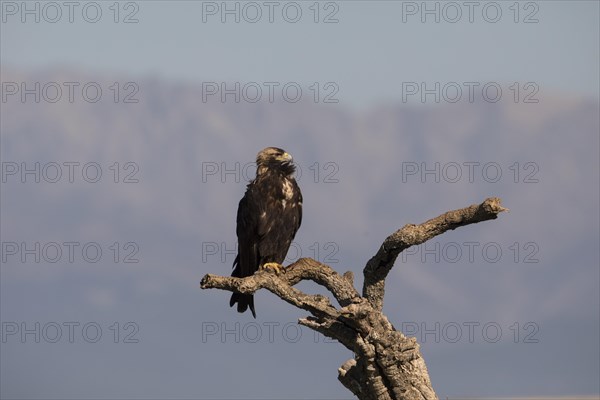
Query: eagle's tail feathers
x,y
251,304
243,301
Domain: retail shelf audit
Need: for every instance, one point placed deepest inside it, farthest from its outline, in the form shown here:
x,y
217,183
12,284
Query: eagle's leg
x,y
273,267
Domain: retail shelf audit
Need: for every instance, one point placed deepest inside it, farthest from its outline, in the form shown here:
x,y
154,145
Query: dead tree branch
x,y
380,265
387,364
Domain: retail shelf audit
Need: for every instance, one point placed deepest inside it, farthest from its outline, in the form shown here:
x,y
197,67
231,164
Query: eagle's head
x,y
274,159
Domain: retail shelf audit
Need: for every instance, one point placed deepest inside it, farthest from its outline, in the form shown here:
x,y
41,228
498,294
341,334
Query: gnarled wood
x,y
387,364
409,235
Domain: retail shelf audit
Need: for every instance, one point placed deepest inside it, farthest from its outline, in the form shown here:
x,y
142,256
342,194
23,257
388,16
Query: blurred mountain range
x,y
173,166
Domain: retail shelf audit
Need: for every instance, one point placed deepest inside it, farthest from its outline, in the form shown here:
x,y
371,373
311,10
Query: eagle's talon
x,y
273,267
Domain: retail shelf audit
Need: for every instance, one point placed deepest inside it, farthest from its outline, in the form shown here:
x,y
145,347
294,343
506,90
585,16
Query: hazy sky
x,y
370,56
368,49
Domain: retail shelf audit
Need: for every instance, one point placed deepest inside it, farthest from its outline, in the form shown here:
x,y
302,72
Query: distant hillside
x,y
173,168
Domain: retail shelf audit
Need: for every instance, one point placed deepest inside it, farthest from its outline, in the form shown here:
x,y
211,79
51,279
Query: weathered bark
x,y
387,364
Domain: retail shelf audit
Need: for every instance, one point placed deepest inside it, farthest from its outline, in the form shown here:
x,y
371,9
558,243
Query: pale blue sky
x,y
368,53
172,213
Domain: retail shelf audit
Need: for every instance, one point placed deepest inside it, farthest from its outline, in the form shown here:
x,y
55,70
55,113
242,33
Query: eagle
x,y
268,218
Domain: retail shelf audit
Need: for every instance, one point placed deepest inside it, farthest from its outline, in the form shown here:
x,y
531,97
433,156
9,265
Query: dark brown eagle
x,y
268,218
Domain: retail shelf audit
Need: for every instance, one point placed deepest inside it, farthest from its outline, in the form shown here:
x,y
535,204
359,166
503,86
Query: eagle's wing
x,y
247,260
298,200
266,226
248,233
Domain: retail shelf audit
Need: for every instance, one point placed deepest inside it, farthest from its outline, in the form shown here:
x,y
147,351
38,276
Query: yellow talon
x,y
273,267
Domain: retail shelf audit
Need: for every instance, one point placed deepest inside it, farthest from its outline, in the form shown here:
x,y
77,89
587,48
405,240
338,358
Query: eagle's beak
x,y
287,157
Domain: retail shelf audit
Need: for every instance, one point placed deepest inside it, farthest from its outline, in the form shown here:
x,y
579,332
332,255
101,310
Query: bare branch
x,y
333,329
349,376
387,364
316,304
340,286
380,265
